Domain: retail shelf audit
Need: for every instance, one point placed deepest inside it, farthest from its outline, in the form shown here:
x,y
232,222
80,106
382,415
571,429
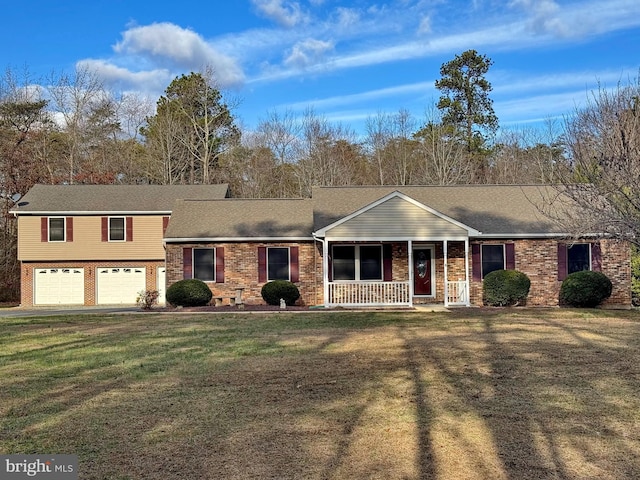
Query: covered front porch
x,y
408,273
395,251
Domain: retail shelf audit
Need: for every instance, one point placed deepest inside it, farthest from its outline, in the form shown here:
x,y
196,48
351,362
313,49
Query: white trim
x,y
193,263
398,239
88,213
526,235
288,249
64,229
124,229
236,239
357,262
396,194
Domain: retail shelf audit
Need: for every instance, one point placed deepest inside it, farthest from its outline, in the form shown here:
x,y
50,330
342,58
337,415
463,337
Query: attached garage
x,y
58,286
120,285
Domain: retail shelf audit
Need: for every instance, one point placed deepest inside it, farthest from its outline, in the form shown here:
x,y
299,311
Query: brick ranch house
x,y
385,246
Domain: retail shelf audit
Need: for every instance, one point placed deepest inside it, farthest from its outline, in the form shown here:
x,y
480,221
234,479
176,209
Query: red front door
x,y
422,271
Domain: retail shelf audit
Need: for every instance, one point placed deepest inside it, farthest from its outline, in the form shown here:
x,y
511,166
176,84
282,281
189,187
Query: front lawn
x,y
472,394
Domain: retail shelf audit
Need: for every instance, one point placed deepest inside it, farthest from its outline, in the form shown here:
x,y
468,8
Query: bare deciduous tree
x,y
602,142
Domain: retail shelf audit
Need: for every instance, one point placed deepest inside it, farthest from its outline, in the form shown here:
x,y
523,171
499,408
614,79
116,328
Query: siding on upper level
x,y
396,218
87,241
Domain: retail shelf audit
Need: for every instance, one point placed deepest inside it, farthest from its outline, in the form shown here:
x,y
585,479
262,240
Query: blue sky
x,y
348,60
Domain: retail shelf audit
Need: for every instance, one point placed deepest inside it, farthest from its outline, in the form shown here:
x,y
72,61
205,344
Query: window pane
x,y
492,258
204,264
278,263
116,228
344,263
578,258
56,229
371,262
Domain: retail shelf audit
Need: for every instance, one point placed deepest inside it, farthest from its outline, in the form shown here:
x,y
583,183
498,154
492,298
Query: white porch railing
x,y
369,293
457,293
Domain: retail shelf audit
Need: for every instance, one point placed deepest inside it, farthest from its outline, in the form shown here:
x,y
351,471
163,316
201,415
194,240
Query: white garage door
x,y
58,286
120,285
162,285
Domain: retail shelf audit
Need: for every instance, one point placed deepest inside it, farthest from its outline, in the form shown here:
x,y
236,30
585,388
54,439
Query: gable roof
x,y
396,215
240,219
95,199
492,210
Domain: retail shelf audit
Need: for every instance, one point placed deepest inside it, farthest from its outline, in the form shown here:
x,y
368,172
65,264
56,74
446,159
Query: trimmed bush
x,y
502,288
189,293
273,291
585,289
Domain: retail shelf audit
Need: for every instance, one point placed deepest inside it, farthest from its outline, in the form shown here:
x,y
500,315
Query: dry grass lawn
x,y
472,394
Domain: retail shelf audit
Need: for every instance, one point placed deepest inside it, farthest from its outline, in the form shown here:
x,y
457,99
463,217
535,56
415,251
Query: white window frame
x,y
269,279
124,229
357,261
589,257
193,263
504,256
64,229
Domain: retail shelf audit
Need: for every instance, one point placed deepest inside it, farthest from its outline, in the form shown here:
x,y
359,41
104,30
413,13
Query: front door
x,y
422,271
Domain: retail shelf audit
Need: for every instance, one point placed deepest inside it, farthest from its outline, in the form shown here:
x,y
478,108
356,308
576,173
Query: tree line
x,y
76,131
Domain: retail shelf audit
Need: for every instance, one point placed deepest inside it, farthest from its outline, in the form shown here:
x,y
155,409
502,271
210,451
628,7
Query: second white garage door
x,y
120,285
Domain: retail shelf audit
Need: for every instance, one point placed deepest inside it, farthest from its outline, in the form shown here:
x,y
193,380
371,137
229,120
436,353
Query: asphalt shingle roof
x,y
112,198
241,218
490,209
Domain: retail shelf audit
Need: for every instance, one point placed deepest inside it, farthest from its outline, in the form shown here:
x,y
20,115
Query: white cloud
x,y
287,14
151,81
307,52
172,46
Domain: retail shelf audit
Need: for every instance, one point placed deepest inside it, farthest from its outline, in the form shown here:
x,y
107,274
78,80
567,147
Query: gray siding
x,y
396,218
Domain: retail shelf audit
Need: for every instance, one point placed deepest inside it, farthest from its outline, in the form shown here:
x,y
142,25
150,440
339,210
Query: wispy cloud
x,y
287,14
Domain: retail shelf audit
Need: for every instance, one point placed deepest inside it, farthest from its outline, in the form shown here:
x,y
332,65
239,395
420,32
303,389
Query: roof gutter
x,y
235,239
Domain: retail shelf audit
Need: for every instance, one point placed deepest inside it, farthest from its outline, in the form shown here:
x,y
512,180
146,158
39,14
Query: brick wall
x,y
241,269
90,293
538,259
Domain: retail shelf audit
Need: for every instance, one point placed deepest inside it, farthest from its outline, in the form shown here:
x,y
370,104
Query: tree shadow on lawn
x,y
531,397
551,399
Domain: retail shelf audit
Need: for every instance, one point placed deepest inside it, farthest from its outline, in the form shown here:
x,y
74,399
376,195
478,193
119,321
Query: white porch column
x,y
410,260
445,254
466,271
325,271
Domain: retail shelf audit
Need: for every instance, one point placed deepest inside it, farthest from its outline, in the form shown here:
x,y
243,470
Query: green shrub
x,y
273,291
189,293
502,288
585,289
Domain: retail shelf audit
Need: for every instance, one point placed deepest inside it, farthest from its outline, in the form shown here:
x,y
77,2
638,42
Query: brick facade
x,y
90,288
241,269
537,258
